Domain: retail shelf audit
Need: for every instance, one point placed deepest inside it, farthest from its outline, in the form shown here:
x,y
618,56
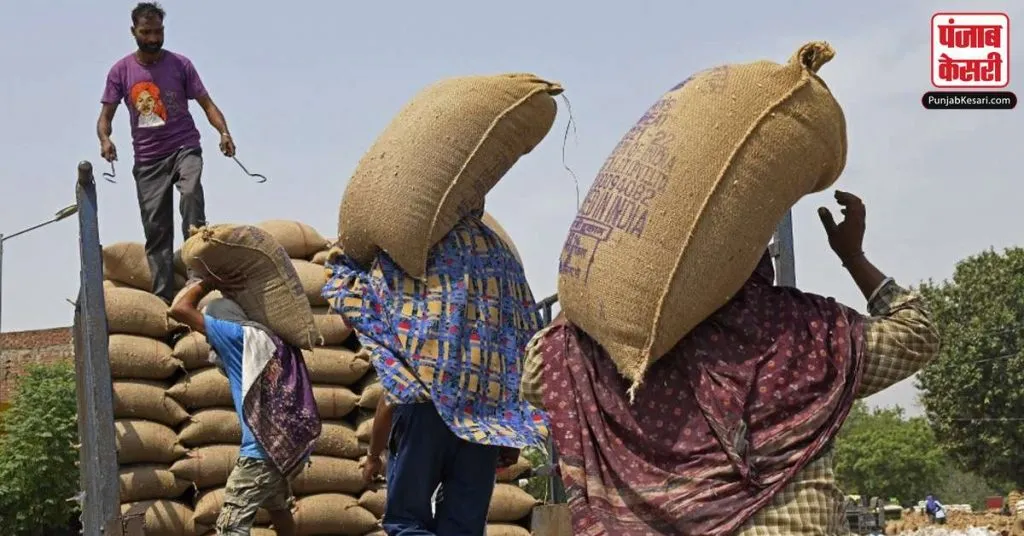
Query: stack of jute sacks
x,y
692,193
143,366
328,489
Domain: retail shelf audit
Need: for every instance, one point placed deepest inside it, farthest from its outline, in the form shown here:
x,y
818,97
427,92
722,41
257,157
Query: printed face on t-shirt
x,y
145,96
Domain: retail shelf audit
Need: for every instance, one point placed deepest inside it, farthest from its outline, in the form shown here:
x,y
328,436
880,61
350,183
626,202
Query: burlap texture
x,y
141,441
208,466
126,263
313,277
299,240
192,351
331,513
211,426
331,327
136,312
147,400
509,504
164,518
148,482
505,529
272,294
207,388
374,500
370,395
682,210
334,401
335,366
142,358
338,439
327,474
514,471
436,161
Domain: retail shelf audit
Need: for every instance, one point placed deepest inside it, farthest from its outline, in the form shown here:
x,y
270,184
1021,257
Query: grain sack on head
x,y
493,225
126,263
336,366
140,399
338,439
509,503
209,504
163,518
313,277
437,160
146,482
141,358
331,326
192,351
272,294
140,441
211,426
206,388
136,312
326,474
332,513
334,402
684,207
207,467
299,240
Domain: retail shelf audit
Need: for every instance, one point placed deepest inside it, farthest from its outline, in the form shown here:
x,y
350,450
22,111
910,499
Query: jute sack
x,y
374,500
505,529
211,426
320,257
126,263
493,225
192,351
140,358
331,327
299,240
163,518
509,503
140,441
206,388
364,426
331,513
370,395
514,471
146,482
148,400
136,312
684,207
272,294
327,474
335,366
338,439
313,277
437,160
207,467
208,506
113,284
334,402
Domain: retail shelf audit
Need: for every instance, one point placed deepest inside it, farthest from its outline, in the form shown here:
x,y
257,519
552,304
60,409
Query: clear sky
x,y
307,86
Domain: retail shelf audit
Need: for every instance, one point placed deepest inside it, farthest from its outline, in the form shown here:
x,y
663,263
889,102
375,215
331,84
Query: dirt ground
x,y
960,523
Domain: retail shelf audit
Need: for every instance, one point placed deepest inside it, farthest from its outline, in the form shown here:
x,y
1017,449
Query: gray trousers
x,y
155,182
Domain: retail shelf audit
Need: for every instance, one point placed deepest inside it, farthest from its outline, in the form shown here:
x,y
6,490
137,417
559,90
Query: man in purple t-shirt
x,y
156,86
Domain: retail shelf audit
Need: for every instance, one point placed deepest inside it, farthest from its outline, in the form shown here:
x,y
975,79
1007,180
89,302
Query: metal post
x,y
98,454
782,251
556,488
1,281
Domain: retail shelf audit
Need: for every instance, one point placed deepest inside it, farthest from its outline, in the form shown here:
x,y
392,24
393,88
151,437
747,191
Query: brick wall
x,y
22,348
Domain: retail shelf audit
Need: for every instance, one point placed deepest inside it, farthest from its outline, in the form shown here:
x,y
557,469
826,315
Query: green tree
x,y
881,453
38,457
973,393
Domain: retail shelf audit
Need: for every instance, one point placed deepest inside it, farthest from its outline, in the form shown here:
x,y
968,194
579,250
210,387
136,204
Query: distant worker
x,y
731,434
935,510
156,86
273,397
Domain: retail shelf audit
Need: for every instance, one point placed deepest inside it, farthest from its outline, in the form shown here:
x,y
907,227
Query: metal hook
x,y
110,176
259,178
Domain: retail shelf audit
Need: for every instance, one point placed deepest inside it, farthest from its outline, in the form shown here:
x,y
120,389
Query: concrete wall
x,y
22,348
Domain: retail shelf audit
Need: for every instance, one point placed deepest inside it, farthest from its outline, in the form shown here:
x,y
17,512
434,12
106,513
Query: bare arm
x,y
105,124
186,309
867,277
214,115
381,428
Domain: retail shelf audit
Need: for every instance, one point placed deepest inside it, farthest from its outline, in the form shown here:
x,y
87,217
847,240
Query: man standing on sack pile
x,y
448,352
731,433
273,397
156,86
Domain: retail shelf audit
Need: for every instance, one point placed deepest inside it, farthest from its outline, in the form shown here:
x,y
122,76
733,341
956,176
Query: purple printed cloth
x,y
280,409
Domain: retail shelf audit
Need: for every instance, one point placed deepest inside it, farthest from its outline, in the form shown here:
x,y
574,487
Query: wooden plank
x,y
551,520
98,453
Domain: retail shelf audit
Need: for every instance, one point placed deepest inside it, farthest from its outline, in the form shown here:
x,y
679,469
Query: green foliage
x,y
38,458
882,454
537,486
974,391
961,487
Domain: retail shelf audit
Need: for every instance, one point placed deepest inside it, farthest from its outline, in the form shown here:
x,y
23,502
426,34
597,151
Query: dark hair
x,y
147,9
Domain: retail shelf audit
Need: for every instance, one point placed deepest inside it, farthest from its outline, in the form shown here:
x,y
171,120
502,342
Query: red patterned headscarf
x,y
721,423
